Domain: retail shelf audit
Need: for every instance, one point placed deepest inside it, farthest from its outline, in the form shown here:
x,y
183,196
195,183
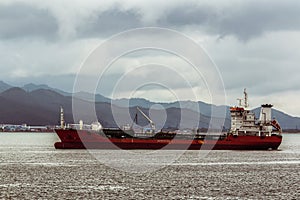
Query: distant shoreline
x,y
291,131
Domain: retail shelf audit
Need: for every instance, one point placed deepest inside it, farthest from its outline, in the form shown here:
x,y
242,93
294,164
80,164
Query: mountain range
x,y
40,104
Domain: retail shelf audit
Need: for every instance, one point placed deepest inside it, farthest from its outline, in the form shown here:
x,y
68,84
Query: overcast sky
x,y
254,44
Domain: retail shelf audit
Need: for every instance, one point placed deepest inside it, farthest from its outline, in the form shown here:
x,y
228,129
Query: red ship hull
x,y
83,139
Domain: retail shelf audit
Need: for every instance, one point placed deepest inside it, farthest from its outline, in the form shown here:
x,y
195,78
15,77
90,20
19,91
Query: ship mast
x,y
239,102
62,120
246,98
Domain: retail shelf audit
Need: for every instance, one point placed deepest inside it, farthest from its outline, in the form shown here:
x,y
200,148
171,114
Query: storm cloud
x,y
253,43
20,20
244,20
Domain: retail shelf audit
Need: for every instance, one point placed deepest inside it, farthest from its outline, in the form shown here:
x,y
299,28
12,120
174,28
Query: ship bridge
x,y
243,121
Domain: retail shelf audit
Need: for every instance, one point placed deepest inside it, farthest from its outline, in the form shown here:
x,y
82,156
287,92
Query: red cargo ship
x,y
246,133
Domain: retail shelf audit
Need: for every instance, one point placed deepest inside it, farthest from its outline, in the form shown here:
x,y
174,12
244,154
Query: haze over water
x,y
31,168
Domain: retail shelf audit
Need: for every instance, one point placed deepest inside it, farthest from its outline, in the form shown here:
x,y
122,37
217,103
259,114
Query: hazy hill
x,y
91,97
31,87
40,104
41,107
4,86
204,108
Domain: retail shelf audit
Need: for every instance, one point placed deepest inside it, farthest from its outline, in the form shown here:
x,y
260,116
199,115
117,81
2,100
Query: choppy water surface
x,y
30,168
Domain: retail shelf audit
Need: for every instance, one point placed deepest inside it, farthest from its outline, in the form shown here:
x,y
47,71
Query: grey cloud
x,y
20,20
150,74
244,20
188,15
109,22
263,77
254,18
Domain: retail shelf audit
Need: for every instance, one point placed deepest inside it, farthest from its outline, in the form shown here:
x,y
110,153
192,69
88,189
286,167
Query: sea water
x,y
31,168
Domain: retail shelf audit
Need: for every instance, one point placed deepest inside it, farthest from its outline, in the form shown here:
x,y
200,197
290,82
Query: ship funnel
x,y
266,113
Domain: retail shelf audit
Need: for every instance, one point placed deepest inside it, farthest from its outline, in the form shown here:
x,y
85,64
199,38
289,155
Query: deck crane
x,y
152,125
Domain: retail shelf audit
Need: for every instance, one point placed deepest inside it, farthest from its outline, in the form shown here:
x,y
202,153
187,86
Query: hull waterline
x,y
75,139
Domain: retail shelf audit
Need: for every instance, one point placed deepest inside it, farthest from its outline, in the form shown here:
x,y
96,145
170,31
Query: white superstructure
x,y
243,121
